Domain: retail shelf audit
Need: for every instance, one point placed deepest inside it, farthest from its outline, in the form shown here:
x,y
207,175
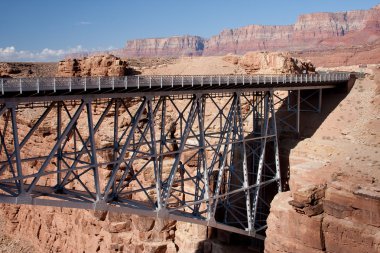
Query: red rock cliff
x,y
173,46
311,31
317,30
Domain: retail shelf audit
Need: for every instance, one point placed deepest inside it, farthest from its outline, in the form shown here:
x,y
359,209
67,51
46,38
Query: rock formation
x,y
311,31
173,46
99,65
317,30
270,63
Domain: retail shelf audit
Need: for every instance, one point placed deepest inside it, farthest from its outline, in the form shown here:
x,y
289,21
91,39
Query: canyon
x,y
332,168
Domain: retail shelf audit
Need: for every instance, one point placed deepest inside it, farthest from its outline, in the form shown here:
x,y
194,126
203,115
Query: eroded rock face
x,y
99,65
316,30
70,230
270,63
171,46
348,222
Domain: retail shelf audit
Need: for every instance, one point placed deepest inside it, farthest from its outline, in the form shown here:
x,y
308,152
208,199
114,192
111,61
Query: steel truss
x,y
209,159
290,106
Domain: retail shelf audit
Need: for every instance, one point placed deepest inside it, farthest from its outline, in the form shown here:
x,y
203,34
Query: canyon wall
x,y
334,200
173,46
317,30
311,31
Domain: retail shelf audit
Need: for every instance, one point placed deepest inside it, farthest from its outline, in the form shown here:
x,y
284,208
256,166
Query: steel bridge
x,y
199,149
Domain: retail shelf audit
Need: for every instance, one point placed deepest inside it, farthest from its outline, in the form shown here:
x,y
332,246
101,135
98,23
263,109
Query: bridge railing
x,y
55,84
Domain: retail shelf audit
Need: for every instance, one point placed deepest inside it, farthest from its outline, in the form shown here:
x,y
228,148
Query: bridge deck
x,y
160,85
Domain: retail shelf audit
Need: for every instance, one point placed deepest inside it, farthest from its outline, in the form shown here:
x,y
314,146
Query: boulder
x,y
300,233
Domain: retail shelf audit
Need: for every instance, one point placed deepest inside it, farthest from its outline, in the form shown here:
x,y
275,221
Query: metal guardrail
x,y
55,84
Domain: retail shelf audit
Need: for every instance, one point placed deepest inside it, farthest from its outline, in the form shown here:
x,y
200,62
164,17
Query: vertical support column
x,y
2,134
75,138
202,153
262,157
320,101
276,148
116,135
230,153
298,110
154,155
59,133
257,112
288,101
17,148
94,161
244,165
161,158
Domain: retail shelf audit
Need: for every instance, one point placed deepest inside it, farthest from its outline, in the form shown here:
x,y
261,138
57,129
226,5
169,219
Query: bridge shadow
x,y
309,124
223,241
131,71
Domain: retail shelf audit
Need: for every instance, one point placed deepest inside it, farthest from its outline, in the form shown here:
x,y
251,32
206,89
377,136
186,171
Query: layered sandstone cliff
x,y
173,46
311,31
317,30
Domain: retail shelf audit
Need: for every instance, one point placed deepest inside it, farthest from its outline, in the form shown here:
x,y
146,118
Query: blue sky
x,y
48,29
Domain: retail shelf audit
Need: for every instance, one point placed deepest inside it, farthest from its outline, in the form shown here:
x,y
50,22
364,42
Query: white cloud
x,y
7,50
11,54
